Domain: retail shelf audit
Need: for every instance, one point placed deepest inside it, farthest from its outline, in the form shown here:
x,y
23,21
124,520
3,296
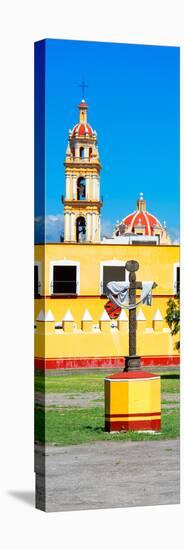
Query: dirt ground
x,y
109,475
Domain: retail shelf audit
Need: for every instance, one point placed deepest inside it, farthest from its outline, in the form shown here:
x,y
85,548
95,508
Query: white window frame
x,y
175,265
110,263
65,263
39,265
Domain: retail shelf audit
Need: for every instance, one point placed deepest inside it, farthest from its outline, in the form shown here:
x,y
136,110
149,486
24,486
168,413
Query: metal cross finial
x,y
83,86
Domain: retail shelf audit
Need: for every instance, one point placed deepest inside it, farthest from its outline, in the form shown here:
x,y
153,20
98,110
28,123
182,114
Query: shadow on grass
x,y
98,429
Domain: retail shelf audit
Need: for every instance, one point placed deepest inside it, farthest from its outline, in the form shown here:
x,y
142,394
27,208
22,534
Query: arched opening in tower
x,y
82,152
81,189
90,152
80,229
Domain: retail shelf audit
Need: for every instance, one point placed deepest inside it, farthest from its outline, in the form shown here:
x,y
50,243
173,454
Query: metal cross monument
x,y
133,361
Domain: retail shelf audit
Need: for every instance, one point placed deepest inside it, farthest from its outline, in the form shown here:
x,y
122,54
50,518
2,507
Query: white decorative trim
x,y
132,222
153,216
49,316
110,263
86,316
74,186
67,263
158,316
45,316
148,224
104,316
140,316
68,316
94,185
88,226
87,187
67,185
122,316
66,226
131,379
41,316
72,226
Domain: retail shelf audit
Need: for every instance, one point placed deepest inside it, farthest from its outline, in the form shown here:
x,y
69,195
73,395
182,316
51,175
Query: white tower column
x,y
66,226
99,227
86,152
77,150
93,226
87,187
88,226
74,186
67,183
98,189
73,236
94,186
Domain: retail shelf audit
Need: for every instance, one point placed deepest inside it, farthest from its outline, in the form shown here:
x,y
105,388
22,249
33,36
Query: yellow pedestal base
x,y
132,402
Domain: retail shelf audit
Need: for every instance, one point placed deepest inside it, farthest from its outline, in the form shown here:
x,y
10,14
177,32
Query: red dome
x,y
144,219
82,130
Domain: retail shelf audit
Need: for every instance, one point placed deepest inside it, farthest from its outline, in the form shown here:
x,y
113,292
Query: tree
x,y
173,317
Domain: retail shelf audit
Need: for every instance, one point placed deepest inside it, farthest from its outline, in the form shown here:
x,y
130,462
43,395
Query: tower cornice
x,y
77,164
81,204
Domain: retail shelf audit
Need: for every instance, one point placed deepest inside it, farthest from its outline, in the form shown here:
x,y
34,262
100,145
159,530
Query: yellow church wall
x,y
153,339
102,344
156,263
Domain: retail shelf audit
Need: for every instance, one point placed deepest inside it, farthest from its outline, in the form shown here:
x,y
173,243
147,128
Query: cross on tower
x,y
83,86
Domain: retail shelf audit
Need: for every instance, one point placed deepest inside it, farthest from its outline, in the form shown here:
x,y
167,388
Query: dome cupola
x,y
141,222
82,128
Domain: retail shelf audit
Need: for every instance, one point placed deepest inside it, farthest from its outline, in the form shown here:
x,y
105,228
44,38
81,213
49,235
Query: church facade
x,y
72,327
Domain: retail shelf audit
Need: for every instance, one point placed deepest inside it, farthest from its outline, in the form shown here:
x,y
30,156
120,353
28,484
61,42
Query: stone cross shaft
x,y
132,361
132,267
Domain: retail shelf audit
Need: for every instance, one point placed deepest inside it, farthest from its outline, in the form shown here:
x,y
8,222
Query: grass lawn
x,y
64,425
93,382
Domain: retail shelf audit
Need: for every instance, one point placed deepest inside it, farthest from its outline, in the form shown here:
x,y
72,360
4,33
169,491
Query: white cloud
x,y
54,227
174,235
106,228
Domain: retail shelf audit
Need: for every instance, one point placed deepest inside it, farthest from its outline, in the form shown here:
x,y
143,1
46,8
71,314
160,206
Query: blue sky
x,y
133,98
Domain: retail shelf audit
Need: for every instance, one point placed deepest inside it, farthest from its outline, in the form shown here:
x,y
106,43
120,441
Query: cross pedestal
x,y
132,399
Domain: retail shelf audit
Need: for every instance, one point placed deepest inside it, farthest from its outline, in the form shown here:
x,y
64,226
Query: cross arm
x,y
138,285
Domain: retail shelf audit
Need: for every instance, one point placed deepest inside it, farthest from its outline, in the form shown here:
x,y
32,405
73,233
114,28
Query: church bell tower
x,y
82,202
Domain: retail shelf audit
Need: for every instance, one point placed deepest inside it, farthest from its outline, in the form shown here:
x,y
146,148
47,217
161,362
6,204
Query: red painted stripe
x,y
131,415
136,425
103,362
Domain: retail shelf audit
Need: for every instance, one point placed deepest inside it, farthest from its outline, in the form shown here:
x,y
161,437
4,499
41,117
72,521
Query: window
x,y
37,280
82,152
177,280
143,243
90,152
112,273
64,279
176,276
158,235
